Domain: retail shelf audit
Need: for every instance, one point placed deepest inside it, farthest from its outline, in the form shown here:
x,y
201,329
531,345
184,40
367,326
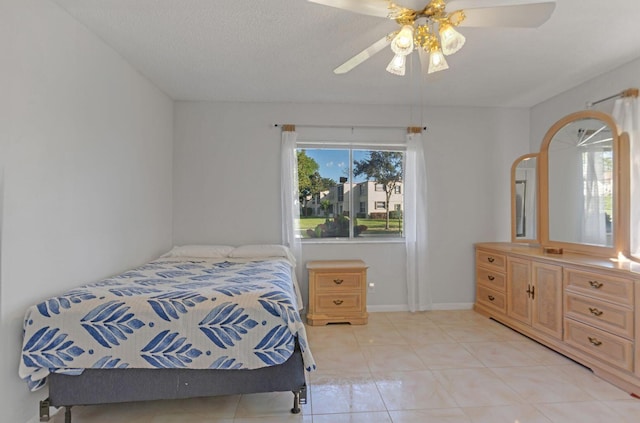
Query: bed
x,y
197,321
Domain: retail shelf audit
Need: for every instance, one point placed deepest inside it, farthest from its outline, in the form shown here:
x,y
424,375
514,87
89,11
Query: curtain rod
x,y
292,127
630,92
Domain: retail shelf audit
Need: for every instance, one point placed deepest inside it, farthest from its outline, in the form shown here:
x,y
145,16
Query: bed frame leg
x,y
296,402
45,416
67,414
299,397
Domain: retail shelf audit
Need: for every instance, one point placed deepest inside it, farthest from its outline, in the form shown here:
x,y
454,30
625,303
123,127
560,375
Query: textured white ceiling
x,y
285,51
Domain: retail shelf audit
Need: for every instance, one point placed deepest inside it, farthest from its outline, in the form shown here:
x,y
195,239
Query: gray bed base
x,y
104,386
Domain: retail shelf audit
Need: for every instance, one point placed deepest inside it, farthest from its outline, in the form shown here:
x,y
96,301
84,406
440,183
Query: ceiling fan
x,y
430,29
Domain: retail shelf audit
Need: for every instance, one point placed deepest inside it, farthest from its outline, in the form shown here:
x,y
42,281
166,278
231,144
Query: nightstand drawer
x,y
338,303
608,288
491,279
609,348
338,280
603,315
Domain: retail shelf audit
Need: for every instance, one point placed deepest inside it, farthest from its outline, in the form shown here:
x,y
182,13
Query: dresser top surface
x,y
336,264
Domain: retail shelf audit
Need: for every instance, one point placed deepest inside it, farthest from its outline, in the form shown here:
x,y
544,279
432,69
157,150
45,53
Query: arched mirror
x,y
580,188
524,199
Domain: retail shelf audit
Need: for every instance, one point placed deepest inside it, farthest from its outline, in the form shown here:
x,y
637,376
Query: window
x,y
332,175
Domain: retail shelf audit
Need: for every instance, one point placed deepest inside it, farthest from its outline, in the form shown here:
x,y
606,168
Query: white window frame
x,y
395,147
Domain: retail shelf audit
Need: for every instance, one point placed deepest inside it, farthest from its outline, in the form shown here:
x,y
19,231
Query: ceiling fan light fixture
x,y
402,43
456,18
437,61
397,65
450,39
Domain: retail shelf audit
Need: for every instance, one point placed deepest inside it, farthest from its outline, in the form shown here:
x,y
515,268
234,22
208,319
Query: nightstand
x,y
337,292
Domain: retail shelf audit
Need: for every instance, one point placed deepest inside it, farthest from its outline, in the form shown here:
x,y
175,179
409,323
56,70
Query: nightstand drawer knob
x,y
490,277
490,259
338,281
595,341
491,297
595,311
337,302
596,284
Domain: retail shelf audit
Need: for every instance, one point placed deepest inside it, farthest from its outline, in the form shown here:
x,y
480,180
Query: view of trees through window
x,y
349,193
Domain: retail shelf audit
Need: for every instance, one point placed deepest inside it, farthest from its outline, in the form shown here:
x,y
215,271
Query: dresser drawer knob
x,y
338,281
491,277
596,284
595,341
491,297
337,302
490,259
595,311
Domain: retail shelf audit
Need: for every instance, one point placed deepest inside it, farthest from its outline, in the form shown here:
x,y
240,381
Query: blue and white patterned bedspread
x,y
170,313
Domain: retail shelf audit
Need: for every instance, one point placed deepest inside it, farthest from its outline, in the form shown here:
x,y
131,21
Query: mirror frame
x,y
621,183
514,238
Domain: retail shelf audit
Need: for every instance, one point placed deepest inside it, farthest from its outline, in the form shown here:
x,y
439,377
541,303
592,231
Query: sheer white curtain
x,y
415,199
626,111
289,193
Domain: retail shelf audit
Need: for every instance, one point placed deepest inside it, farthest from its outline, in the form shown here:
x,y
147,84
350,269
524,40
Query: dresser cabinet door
x,y
518,289
546,297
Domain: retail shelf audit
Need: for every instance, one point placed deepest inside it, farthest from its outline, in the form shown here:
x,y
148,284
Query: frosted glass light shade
x,y
402,43
437,61
397,65
450,39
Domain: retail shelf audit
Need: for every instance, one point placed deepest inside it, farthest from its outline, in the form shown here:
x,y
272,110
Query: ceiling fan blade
x,y
363,55
378,8
502,13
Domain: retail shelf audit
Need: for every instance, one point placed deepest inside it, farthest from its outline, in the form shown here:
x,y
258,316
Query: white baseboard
x,y
452,306
404,307
386,308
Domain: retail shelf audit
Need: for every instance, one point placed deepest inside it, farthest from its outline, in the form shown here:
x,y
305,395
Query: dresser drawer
x,y
491,260
491,279
610,288
609,348
338,280
338,303
491,298
607,316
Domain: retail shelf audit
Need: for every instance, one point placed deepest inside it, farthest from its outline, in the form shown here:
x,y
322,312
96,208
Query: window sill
x,y
380,240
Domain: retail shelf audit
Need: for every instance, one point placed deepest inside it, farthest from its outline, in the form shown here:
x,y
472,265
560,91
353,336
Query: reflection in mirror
x,y
523,199
521,215
580,183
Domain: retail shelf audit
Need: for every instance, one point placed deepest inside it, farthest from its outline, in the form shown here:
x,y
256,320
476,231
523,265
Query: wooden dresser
x,y
585,307
337,292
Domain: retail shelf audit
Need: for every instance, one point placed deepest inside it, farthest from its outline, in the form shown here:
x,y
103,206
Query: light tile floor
x,y
437,366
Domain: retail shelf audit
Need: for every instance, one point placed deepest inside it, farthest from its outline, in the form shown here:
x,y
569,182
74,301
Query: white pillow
x,y
262,250
202,251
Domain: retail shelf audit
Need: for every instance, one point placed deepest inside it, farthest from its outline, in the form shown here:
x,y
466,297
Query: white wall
x,y
226,184
545,114
86,147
